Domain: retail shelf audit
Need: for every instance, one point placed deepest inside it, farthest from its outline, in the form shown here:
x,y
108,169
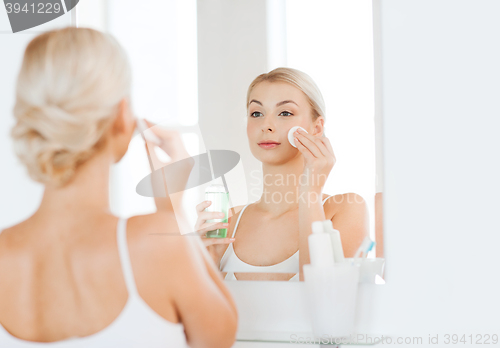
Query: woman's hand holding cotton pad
x,y
147,133
291,136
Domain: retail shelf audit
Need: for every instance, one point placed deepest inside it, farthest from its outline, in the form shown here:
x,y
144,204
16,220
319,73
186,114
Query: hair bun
x,y
66,97
48,160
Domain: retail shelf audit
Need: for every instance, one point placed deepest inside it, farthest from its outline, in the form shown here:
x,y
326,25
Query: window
x,y
160,40
332,41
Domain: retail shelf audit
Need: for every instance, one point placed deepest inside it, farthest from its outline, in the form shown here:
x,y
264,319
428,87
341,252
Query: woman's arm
x,y
319,160
205,306
217,276
161,178
352,221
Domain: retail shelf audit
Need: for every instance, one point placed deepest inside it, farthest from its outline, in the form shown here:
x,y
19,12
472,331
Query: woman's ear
x,y
120,123
122,129
319,126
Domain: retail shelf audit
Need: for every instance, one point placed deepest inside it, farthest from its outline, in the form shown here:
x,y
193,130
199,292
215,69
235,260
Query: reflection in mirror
x,y
327,88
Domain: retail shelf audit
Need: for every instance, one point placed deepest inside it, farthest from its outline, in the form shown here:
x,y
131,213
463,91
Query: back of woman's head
x,y
299,80
67,94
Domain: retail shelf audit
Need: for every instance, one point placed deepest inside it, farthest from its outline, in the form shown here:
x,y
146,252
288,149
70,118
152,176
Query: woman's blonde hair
x,y
67,94
298,79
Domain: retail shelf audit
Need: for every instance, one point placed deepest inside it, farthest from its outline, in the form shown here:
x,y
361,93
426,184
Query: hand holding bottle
x,y
202,226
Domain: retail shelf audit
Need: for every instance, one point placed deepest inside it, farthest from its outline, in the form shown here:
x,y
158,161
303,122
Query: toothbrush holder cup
x,y
331,298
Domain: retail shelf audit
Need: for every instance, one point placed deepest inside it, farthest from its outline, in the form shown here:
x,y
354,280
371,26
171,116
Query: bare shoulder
x,y
11,231
162,256
13,238
351,219
158,236
348,206
345,201
234,212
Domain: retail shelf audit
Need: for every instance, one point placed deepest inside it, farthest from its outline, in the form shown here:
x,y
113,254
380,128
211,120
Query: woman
x,y
276,227
72,273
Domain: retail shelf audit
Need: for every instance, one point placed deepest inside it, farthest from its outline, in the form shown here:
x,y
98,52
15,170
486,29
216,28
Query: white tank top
x,y
138,325
231,263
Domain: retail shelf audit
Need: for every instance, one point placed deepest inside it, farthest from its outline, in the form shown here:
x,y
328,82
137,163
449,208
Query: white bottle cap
x,y
317,227
290,134
328,225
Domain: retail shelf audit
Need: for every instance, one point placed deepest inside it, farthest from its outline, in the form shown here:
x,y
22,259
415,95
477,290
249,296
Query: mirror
x,y
332,42
197,81
193,61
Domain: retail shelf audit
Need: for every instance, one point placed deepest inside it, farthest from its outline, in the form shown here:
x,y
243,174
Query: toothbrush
x,y
366,245
372,244
147,135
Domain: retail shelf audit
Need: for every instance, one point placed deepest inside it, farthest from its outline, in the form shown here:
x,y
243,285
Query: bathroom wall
x,y
232,51
439,91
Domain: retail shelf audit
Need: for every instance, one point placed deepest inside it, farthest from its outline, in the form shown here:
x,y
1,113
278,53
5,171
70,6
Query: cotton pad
x,y
290,134
146,132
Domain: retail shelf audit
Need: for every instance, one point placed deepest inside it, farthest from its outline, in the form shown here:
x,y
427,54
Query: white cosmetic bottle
x,y
320,246
338,252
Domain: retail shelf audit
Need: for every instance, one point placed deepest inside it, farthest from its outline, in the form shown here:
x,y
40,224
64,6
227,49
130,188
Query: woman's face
x,y
274,108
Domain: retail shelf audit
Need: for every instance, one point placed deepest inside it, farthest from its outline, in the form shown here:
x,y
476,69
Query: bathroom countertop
x,y
296,338
275,312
